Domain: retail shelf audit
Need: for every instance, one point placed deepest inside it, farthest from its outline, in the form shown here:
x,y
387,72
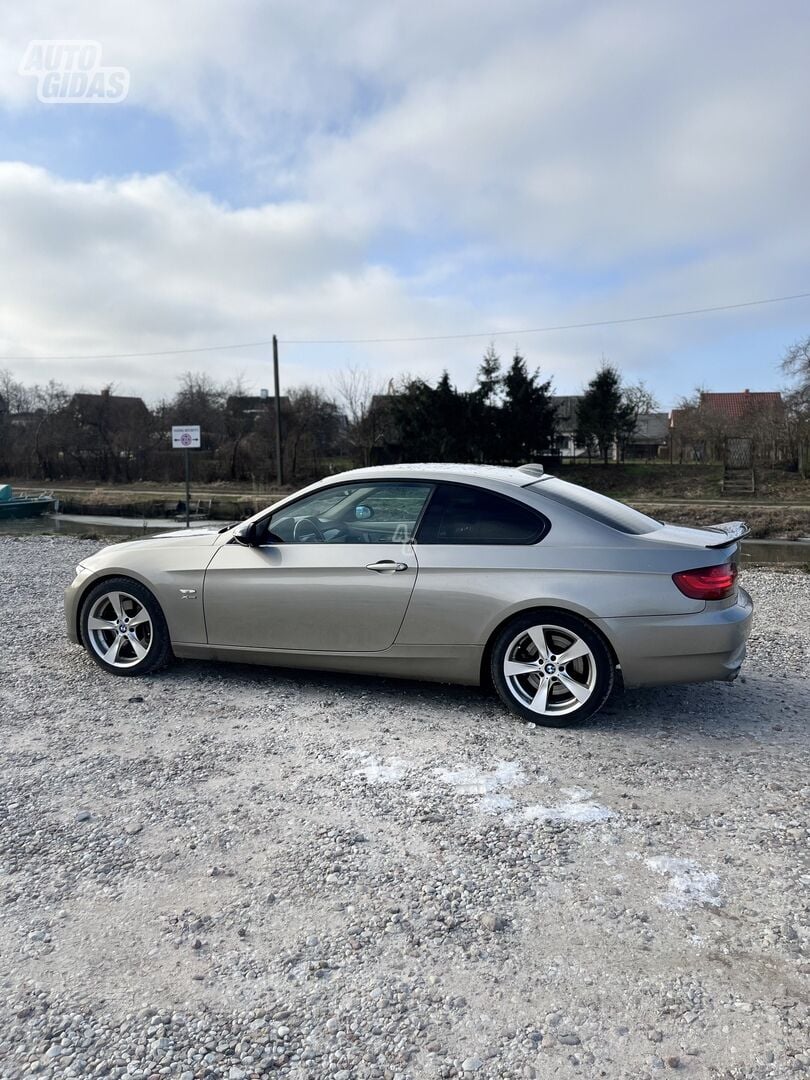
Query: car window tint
x,y
465,515
599,507
381,513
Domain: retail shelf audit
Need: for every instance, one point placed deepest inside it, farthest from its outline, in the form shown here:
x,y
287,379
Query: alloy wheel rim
x,y
120,629
550,670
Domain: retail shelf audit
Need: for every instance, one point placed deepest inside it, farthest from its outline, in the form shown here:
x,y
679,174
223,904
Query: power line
x,y
429,337
547,329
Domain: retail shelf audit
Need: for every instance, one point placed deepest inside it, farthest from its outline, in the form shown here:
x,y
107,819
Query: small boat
x,y
23,506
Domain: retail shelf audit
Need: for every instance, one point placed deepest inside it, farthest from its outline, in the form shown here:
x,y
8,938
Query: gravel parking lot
x,y
235,872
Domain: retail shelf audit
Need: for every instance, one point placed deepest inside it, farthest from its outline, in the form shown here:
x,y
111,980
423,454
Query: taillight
x,y
709,582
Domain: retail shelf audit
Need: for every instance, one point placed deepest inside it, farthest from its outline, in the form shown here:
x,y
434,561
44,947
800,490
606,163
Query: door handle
x,y
387,566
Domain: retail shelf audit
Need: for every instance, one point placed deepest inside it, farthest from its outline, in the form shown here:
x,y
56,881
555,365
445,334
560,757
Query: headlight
x,y
82,569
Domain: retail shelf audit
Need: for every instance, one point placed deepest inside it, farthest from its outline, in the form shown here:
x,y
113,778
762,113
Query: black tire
x,y
593,671
128,635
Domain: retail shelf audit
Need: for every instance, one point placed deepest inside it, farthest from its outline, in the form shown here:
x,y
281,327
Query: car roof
x,y
520,476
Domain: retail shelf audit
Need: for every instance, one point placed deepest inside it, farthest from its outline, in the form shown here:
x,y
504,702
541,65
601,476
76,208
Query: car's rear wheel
x,y
552,668
124,629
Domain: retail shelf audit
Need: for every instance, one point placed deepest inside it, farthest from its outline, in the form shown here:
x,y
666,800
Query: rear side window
x,y
467,515
599,507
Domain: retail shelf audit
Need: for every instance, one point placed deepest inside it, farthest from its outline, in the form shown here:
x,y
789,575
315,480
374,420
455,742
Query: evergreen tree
x,y
433,422
603,413
485,429
526,420
489,379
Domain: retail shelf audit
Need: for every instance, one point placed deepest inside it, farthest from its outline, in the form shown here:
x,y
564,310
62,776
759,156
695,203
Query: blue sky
x,y
399,170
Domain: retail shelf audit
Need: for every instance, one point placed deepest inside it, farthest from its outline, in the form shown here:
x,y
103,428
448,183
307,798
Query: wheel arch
x,y
105,575
540,608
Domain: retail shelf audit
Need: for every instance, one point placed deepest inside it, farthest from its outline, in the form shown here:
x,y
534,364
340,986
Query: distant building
x,y
649,440
744,425
107,411
109,433
738,411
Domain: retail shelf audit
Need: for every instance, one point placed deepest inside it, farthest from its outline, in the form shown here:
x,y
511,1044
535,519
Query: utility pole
x,y
279,466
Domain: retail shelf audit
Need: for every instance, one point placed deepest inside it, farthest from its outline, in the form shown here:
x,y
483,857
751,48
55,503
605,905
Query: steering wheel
x,y
313,529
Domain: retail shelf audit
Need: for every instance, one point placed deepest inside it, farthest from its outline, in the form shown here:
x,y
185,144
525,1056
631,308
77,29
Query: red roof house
x,y
745,406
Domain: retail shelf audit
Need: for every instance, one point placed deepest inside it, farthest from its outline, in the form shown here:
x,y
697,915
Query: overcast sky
x,y
352,169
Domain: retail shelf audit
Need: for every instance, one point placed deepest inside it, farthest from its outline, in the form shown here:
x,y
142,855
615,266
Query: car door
x,y
333,572
479,552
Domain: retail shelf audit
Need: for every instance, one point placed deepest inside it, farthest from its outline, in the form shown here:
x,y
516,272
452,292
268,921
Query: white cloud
x,y
419,169
593,144
144,264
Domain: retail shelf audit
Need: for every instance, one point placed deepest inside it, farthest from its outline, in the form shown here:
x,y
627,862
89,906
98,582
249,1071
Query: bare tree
x,y
15,397
312,431
637,400
356,388
796,363
51,434
693,433
640,397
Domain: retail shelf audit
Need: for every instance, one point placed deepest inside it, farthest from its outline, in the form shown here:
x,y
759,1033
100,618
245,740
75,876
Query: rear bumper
x,y
701,647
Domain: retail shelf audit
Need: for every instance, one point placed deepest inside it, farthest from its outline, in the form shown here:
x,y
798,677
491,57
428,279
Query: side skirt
x,y
433,663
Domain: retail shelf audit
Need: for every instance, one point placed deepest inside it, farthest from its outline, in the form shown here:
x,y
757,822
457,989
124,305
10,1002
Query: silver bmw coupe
x,y
454,573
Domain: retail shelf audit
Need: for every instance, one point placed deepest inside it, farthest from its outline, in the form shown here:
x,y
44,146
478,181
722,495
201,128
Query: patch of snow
x,y
496,804
688,884
576,794
377,772
472,781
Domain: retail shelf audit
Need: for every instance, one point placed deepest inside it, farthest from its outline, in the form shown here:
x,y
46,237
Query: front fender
x,y
178,591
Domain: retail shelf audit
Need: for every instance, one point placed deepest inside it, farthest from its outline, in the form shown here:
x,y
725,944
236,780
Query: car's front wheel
x,y
124,629
551,667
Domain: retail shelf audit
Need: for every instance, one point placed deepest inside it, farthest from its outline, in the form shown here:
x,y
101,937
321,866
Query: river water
x,y
116,528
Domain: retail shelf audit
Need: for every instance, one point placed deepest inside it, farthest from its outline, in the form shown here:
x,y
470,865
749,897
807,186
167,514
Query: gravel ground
x,y
235,872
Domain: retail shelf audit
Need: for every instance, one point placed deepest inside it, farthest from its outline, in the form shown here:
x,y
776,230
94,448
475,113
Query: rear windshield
x,y
599,507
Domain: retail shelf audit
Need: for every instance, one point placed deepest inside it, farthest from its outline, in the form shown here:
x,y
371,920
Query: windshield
x,y
599,507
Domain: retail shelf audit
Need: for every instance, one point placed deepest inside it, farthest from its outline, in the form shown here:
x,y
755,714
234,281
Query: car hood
x,y
187,533
180,538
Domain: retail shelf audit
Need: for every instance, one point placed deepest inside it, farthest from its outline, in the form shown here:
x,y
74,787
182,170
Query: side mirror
x,y
247,534
363,513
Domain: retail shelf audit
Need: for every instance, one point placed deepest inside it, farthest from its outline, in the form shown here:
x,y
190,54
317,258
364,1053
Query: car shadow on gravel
x,y
742,709
345,686
716,710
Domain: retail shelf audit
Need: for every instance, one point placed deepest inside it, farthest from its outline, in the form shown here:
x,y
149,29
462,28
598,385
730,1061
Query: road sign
x,y
186,437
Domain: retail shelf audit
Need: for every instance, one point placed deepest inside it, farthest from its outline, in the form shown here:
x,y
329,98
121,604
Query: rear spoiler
x,y
731,531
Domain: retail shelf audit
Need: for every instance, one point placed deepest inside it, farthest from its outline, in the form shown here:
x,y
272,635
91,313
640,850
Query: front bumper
x,y
72,595
707,645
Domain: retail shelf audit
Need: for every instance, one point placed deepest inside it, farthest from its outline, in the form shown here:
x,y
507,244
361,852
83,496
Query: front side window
x,y
381,513
466,515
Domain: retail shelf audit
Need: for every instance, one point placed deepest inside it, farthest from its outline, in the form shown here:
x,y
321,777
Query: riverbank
x,y
654,481
219,502
682,494
776,554
784,522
